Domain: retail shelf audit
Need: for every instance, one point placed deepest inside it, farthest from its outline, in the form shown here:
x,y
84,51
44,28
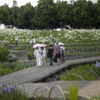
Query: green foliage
x,y
45,14
62,13
6,68
26,15
12,58
4,53
20,48
15,94
73,91
5,14
48,14
30,54
78,72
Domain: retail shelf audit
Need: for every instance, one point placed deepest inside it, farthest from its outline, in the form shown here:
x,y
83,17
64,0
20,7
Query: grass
x,y
73,91
91,73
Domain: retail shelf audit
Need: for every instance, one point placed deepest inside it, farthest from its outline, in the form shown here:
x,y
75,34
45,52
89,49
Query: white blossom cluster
x,y
24,36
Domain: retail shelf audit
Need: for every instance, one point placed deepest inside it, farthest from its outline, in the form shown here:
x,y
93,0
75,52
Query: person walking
x,y
16,40
34,41
58,52
31,42
42,56
50,54
51,39
37,54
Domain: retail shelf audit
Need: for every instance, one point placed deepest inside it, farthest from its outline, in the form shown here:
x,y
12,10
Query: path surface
x,y
91,90
29,75
30,88
86,89
37,73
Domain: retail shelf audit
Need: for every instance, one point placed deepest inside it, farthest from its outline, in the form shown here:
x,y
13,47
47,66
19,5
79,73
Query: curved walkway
x,y
37,73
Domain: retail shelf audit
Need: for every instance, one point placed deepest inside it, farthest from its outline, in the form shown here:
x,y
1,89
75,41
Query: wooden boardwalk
x,y
26,77
38,73
34,89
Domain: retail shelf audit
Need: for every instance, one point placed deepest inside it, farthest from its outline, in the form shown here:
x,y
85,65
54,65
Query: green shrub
x,y
77,73
20,48
30,54
5,71
73,91
4,53
12,58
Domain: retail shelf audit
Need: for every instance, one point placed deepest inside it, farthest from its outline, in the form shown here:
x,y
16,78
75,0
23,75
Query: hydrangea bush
x,y
65,36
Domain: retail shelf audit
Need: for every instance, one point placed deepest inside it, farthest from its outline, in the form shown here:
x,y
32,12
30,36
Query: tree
x,y
89,14
25,16
62,13
4,14
97,20
78,14
45,14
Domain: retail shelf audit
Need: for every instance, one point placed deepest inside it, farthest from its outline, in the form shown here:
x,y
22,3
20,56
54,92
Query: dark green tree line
x,y
49,15
45,14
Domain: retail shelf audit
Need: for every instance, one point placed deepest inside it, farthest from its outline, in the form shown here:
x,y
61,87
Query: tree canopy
x,y
48,15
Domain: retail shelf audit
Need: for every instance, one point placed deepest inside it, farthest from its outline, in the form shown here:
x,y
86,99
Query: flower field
x,y
65,36
79,43
6,68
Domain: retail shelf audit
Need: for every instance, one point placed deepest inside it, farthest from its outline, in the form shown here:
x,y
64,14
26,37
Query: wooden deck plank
x,y
30,88
37,73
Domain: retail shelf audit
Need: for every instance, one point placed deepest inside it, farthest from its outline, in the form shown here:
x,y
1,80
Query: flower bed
x,y
6,68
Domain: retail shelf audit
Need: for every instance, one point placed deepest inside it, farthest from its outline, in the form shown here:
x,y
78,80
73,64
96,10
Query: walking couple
x,y
40,55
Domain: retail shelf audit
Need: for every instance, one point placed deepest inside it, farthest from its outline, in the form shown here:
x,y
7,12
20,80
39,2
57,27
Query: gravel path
x,y
91,90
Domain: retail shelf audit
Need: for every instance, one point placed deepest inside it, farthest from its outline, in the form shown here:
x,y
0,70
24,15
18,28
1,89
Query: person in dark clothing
x,y
50,54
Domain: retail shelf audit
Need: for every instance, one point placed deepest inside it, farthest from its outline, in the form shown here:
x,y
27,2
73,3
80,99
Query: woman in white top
x,y
43,55
37,54
31,41
34,41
